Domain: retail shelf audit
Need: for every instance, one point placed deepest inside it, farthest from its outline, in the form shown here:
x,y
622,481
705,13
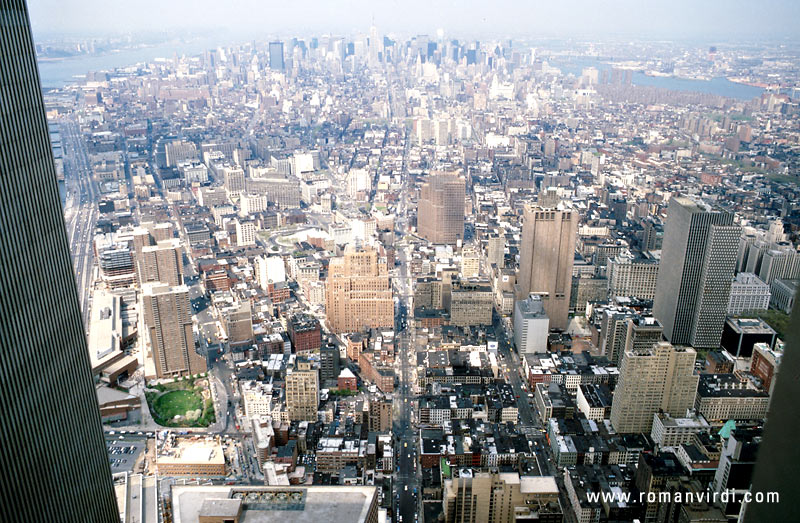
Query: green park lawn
x,y
180,398
177,403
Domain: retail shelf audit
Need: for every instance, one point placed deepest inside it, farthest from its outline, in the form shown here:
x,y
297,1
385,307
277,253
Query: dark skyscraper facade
x,y
276,56
698,259
54,461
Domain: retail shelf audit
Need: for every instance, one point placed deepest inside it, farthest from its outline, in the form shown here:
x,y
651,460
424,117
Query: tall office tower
x,y
775,233
358,292
613,329
652,235
546,257
302,392
168,320
660,378
276,56
375,46
162,262
642,333
472,497
440,215
55,465
751,242
781,263
233,179
495,251
698,259
734,473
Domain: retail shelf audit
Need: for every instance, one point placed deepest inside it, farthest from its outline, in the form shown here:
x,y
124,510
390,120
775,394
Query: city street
x,y
407,500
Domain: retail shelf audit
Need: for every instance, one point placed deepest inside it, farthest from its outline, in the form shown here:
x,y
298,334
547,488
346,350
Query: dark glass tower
x,y
698,260
54,461
276,56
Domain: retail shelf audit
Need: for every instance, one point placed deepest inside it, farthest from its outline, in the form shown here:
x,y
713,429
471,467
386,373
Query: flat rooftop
x,y
105,330
188,451
331,504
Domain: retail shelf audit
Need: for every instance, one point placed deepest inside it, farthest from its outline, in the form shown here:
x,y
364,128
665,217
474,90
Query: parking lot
x,y
123,453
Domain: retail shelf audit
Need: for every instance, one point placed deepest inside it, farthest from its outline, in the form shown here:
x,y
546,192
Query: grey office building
x,y
276,56
55,465
698,259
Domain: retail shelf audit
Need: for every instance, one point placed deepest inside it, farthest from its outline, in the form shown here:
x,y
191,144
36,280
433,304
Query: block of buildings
x,y
723,397
671,431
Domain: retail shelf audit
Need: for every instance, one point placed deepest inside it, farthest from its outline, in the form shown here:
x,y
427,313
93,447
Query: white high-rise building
x,y
531,325
193,172
252,203
775,233
748,293
470,262
359,183
245,233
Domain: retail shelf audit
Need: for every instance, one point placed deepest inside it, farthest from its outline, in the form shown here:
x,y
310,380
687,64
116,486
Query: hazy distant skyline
x,y
678,19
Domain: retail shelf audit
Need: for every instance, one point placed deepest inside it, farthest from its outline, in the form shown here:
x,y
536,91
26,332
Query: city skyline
x,y
397,262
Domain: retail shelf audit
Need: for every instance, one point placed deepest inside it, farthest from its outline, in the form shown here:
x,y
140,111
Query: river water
x,y
720,86
58,73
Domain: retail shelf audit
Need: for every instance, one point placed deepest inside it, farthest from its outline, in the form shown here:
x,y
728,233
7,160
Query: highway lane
x,y
80,210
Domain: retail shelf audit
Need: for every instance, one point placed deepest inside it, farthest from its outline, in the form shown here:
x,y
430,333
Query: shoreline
x,y
744,81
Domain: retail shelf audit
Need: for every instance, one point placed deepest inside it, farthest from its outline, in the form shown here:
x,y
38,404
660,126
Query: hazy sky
x,y
658,19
